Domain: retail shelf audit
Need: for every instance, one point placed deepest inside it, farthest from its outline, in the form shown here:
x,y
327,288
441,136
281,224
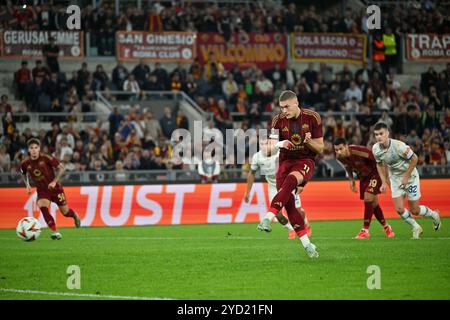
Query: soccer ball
x,y
28,229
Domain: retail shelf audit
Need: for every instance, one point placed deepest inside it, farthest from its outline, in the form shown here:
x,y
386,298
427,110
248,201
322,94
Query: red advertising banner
x,y
341,47
134,205
158,47
265,50
428,47
28,44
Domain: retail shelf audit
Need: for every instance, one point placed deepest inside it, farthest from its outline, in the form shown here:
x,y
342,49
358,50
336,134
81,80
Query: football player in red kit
x,y
300,139
360,160
41,168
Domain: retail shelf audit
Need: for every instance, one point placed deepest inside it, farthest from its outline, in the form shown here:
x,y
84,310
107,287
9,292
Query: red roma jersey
x,y
361,161
41,170
294,130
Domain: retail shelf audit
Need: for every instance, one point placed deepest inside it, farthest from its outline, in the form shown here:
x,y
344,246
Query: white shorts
x,y
412,190
273,191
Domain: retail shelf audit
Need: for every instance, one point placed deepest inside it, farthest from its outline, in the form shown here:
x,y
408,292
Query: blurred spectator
x,y
5,107
65,134
22,79
141,73
223,118
161,74
5,159
130,85
119,75
40,70
427,80
182,121
353,92
310,74
378,49
100,77
264,89
51,54
230,89
384,102
9,126
168,123
152,126
175,84
390,44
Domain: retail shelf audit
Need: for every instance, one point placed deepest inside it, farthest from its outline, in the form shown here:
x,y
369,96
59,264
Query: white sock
x,y
288,226
426,212
366,230
306,220
305,240
406,215
269,215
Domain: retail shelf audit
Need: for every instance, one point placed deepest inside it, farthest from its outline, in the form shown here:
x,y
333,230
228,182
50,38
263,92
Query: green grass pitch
x,y
227,262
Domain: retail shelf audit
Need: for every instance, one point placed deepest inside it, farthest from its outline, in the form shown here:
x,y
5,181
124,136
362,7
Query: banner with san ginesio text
x,y
339,47
428,47
157,47
134,205
28,44
265,50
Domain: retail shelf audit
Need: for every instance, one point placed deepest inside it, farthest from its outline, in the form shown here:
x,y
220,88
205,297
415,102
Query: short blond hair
x,y
287,95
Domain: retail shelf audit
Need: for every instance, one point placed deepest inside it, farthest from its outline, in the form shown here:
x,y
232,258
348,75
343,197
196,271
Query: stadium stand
x,y
114,121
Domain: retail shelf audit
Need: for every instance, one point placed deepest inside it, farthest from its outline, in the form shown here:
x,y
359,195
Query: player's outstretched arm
x,y
250,181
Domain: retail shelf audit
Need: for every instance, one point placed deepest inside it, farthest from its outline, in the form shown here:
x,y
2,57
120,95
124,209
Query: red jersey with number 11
x,y
294,130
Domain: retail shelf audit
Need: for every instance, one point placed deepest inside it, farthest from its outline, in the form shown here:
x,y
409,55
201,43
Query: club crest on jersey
x,y
41,163
305,126
296,139
285,129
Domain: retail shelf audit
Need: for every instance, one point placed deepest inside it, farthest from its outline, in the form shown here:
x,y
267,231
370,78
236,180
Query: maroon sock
x,y
70,213
368,212
379,215
48,218
295,218
283,195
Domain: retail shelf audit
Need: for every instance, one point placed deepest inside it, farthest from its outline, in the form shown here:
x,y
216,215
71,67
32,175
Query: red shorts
x,y
304,166
57,196
370,185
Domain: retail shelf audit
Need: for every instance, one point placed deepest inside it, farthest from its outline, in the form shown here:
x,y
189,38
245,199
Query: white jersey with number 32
x,y
396,156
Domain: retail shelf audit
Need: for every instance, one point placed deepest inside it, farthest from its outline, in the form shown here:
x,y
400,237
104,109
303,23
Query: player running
x,y
266,160
360,160
300,136
403,178
41,169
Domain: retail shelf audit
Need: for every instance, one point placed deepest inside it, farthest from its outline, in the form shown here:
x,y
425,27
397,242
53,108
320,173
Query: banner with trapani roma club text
x,y
339,47
265,50
28,44
428,47
157,47
134,205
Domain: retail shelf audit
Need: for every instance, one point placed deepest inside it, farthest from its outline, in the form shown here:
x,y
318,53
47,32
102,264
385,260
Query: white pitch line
x,y
85,295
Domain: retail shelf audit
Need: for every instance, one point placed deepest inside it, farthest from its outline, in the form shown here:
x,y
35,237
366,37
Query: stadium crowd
x,y
235,98
136,140
225,18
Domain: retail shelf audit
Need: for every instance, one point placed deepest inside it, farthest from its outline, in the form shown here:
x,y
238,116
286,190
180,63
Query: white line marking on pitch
x,y
85,295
